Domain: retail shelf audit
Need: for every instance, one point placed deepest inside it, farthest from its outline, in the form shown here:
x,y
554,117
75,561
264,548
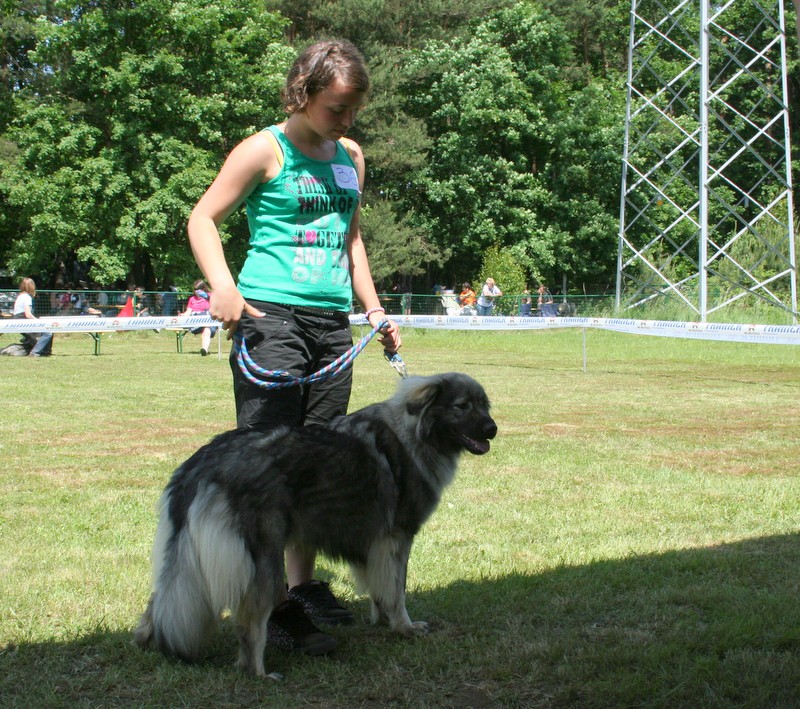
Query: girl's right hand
x,y
227,306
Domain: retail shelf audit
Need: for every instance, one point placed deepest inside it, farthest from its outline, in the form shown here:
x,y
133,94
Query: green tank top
x,y
299,225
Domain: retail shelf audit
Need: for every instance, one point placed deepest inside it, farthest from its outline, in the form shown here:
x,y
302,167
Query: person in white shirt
x,y
486,300
23,308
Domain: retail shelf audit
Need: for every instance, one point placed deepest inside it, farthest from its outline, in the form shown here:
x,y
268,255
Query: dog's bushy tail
x,y
198,571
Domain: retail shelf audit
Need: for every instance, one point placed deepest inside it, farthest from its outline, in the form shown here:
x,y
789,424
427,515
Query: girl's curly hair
x,y
317,68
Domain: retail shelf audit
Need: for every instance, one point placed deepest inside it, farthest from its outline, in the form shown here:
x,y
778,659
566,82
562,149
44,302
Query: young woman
x,y
301,181
23,308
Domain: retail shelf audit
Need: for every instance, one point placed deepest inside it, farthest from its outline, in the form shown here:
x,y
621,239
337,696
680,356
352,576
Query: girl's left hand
x,y
390,334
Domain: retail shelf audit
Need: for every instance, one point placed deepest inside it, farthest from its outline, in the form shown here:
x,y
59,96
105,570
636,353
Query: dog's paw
x,y
419,628
259,672
414,629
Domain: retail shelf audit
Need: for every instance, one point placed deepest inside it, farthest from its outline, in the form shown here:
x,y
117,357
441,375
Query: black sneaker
x,y
290,629
320,604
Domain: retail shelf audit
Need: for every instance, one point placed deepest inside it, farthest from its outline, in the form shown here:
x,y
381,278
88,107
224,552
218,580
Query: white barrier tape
x,y
83,323
729,332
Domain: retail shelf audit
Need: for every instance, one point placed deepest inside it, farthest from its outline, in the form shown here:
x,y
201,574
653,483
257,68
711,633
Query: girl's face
x,y
332,112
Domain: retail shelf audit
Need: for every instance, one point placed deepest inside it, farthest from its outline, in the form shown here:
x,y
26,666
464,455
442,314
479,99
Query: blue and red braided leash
x,y
281,379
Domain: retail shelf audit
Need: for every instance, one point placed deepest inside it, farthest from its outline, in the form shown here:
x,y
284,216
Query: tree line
x,y
493,134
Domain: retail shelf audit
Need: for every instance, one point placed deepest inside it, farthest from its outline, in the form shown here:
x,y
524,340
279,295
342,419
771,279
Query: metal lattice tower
x,y
706,213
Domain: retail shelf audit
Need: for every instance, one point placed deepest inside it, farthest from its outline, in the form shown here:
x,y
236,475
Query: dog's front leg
x,y
385,573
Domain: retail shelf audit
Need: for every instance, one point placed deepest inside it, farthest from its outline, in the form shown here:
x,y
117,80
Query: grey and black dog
x,y
358,489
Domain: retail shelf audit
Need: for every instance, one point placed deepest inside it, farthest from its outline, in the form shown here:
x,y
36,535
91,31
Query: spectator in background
x,y
169,301
486,300
141,305
466,299
101,299
65,301
544,302
199,303
525,304
81,304
23,308
102,303
76,303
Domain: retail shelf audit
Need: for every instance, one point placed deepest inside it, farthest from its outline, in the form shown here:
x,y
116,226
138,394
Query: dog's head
x,y
453,408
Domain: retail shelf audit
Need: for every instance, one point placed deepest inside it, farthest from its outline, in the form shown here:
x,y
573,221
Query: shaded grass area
x,y
630,540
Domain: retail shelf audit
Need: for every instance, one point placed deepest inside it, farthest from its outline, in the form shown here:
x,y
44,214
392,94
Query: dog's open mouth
x,y
473,445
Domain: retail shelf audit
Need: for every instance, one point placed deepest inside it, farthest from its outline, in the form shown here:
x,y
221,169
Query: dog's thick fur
x,y
358,488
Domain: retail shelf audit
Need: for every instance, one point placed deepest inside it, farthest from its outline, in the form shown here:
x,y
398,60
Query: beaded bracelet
x,y
373,310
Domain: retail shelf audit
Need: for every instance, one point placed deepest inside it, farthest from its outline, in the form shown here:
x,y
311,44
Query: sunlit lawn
x,y
630,540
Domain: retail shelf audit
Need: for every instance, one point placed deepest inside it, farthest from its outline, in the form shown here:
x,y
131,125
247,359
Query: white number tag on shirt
x,y
346,176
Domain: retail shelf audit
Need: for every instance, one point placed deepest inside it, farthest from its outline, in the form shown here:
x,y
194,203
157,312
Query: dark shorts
x,y
300,342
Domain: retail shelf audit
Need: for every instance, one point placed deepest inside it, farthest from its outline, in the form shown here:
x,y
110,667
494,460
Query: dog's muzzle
x,y
479,446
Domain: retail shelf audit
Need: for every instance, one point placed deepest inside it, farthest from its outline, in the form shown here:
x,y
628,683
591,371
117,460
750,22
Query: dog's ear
x,y
422,396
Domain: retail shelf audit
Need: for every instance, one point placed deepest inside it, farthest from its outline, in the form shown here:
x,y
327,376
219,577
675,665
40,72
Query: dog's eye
x,y
462,405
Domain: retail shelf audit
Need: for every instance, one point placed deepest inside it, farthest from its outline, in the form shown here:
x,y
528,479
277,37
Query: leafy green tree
x,y
490,123
17,38
597,31
137,105
396,248
375,25
581,219
525,152
395,146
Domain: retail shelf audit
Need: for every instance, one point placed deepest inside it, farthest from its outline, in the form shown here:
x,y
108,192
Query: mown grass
x,y
630,541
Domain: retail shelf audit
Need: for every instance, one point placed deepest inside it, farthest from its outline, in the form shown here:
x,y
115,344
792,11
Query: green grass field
x,y
631,540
